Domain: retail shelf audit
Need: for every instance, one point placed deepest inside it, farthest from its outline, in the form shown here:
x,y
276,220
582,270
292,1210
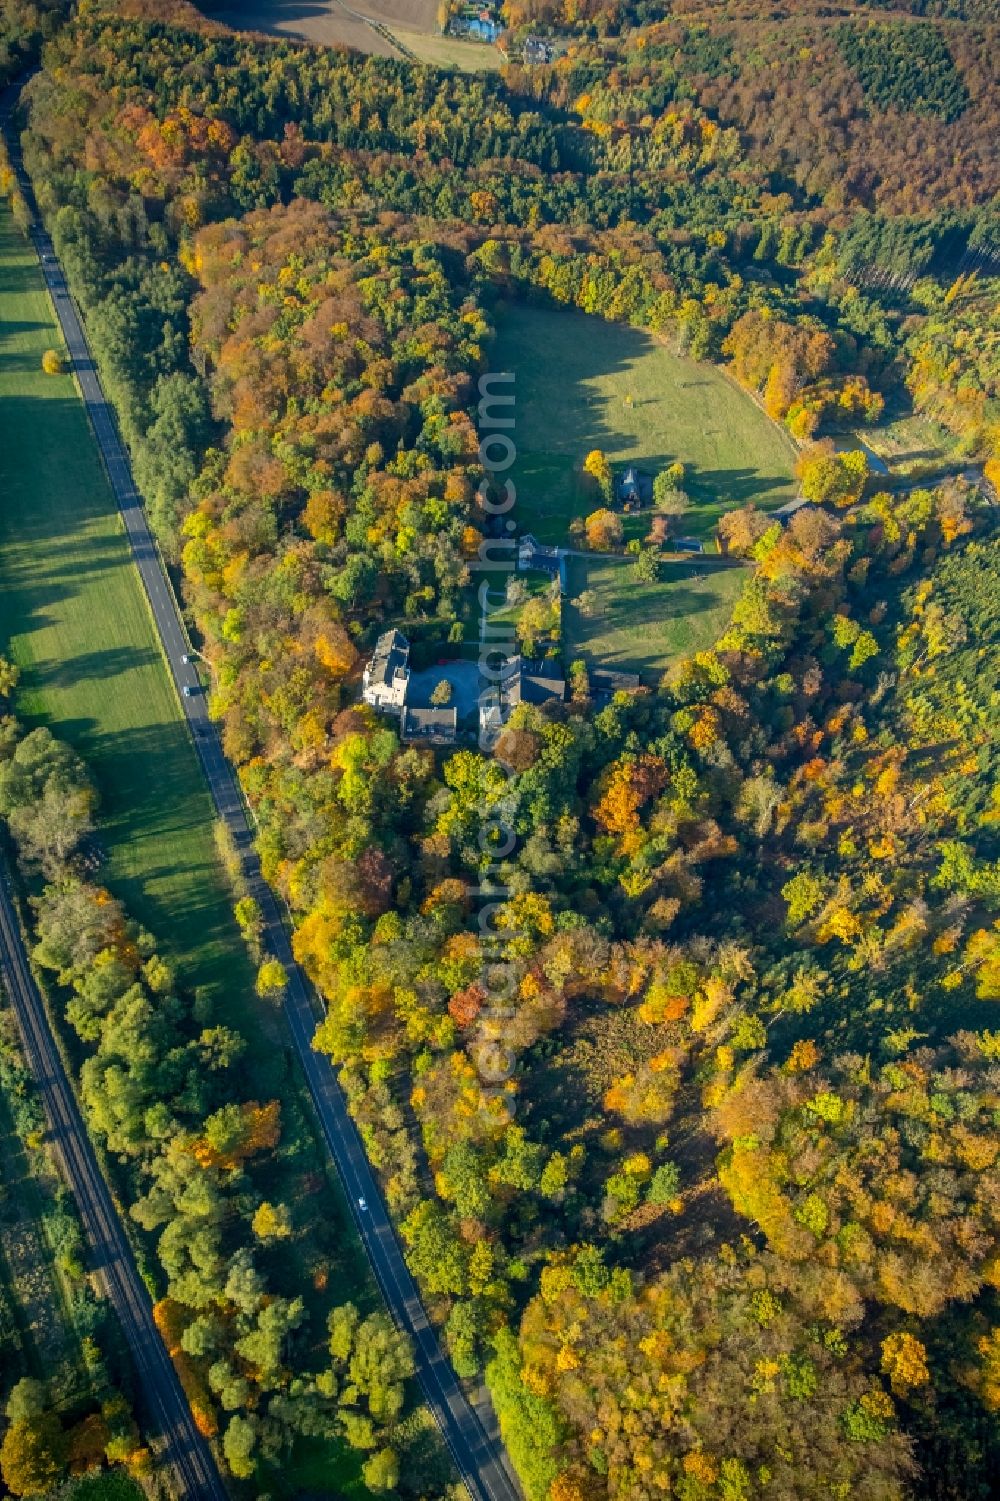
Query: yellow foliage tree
x,y
989,1349
566,1487
596,464
625,788
271,978
904,1361
831,478
334,650
272,1222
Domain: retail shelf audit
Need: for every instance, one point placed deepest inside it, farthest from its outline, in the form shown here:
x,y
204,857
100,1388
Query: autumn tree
x,y
831,478
272,978
33,1456
597,465
10,675
604,531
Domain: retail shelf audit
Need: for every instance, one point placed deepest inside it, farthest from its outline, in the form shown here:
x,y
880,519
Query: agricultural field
x,y
583,383
411,15
646,628
328,24
401,28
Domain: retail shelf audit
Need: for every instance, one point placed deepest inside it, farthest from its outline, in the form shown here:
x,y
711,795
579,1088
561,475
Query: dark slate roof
x,y
614,682
635,482
391,641
533,683
392,653
530,544
430,724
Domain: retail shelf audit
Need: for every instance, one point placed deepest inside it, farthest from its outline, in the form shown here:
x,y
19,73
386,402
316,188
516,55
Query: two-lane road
x,y
185,1451
479,1457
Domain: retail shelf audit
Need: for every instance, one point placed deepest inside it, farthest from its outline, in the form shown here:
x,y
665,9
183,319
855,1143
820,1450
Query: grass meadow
x,y
646,628
74,617
583,383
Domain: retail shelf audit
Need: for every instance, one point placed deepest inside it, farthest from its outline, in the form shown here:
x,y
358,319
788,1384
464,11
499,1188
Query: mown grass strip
x,y
76,620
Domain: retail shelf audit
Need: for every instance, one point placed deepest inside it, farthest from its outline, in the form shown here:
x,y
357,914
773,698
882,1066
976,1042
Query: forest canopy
x,y
727,1225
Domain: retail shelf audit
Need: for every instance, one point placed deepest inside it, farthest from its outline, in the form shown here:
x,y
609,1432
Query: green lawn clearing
x,y
583,383
530,586
449,51
646,628
75,618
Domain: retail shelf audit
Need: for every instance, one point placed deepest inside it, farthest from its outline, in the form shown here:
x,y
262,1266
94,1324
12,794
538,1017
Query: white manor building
x,y
388,687
387,676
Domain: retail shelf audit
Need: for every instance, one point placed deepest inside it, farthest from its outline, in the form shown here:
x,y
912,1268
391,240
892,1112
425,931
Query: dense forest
x,y
724,1221
23,29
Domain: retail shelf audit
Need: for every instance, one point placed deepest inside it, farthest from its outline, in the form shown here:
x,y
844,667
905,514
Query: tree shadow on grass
x,y
21,360
31,587
110,662
634,623
20,277
73,731
152,771
915,455
740,485
100,560
554,391
46,446
10,327
155,820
